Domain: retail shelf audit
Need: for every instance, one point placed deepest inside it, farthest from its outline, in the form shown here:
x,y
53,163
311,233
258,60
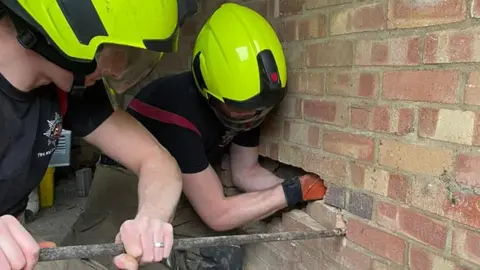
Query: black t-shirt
x,y
30,126
176,97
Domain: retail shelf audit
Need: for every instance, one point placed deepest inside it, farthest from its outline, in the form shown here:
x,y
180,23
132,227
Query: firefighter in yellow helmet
x,y
238,74
56,59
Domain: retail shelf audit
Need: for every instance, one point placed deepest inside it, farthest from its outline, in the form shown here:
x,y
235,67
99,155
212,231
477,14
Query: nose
x,y
112,62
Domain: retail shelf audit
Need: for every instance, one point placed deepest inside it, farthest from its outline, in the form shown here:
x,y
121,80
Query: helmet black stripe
x,y
82,13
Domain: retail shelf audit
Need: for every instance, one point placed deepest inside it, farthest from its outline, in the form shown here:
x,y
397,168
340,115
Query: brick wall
x,y
383,104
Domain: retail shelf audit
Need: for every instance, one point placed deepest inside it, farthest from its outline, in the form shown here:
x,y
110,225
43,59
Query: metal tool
x,y
111,249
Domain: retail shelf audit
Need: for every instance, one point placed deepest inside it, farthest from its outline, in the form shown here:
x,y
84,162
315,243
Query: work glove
x,y
308,187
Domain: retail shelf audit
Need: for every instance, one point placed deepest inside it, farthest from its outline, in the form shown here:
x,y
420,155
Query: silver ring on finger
x,y
158,244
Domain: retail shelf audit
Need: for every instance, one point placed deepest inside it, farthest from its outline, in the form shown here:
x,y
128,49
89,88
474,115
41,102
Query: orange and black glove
x,y
308,187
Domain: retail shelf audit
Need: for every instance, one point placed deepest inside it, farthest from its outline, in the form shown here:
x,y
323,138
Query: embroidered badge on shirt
x,y
54,130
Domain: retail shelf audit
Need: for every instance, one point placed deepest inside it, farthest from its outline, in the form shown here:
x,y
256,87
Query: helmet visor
x,y
239,119
123,67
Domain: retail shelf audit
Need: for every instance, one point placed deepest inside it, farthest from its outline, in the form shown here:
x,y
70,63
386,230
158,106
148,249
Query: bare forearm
x,y
159,188
257,179
247,207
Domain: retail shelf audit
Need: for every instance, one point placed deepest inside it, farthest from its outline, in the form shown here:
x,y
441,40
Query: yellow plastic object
x,y
46,190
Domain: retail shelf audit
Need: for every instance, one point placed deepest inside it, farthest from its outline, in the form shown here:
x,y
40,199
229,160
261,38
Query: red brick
x,y
395,51
381,119
452,46
460,48
398,187
272,127
286,30
312,4
330,169
427,119
359,19
476,129
428,193
359,118
455,126
387,215
377,241
295,55
466,245
290,107
357,173
355,259
408,14
468,170
421,259
290,7
301,133
436,86
377,265
291,155
273,257
472,89
352,84
311,27
331,112
312,83
405,121
297,220
327,216
465,210
422,228
426,160
333,53
347,144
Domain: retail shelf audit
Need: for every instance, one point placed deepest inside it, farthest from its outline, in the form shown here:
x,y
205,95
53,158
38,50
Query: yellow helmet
x,y
239,66
72,34
78,28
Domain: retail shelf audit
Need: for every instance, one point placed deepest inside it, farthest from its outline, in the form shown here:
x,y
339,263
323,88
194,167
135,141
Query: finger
x,y
4,264
130,236
10,248
25,241
158,238
167,239
47,244
125,261
147,237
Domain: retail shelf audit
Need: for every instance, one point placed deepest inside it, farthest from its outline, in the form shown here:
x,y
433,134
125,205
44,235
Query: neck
x,y
25,69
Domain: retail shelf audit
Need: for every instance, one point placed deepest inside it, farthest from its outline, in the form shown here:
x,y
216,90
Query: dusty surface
x,y
53,223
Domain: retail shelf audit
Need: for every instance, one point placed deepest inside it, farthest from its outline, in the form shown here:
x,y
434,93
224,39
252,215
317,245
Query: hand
x,y
18,249
308,187
139,237
313,187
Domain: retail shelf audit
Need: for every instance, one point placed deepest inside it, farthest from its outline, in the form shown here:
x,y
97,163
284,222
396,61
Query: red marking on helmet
x,y
274,77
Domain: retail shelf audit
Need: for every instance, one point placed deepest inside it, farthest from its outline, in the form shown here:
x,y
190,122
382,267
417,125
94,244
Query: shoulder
x,y
171,100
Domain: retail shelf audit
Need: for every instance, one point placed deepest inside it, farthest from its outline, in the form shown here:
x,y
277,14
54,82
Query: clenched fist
x,y
18,249
146,240
308,187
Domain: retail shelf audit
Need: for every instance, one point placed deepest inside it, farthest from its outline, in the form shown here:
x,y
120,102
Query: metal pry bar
x,y
114,249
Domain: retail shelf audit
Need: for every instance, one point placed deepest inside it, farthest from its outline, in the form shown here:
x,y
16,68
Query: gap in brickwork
x,y
286,171
323,253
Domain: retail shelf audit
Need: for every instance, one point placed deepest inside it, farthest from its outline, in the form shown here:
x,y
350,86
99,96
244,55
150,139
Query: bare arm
x,y
204,190
124,139
248,175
